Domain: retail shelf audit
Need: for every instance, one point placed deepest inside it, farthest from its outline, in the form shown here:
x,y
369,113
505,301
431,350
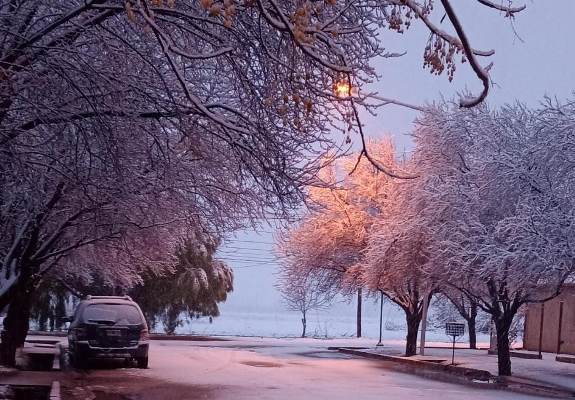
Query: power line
x,y
252,266
254,261
247,241
257,256
251,256
246,249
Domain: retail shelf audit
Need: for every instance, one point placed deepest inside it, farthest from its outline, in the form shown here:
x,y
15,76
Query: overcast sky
x,y
535,61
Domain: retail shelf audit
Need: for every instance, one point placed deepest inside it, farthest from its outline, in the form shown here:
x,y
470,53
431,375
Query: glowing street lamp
x,y
342,89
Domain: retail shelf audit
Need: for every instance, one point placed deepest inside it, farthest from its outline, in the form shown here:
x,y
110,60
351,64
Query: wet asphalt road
x,y
259,369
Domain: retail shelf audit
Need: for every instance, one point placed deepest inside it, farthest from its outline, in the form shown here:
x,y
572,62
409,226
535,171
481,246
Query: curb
x,y
8,371
565,359
520,386
55,391
529,356
470,373
517,354
348,347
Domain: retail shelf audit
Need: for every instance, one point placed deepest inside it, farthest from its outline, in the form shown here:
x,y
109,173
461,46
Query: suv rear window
x,y
113,314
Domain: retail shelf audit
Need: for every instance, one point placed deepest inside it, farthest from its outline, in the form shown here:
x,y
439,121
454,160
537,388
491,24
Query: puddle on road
x,y
262,364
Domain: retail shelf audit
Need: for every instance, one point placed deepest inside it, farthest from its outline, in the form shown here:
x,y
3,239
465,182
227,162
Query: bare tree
x,y
303,294
452,303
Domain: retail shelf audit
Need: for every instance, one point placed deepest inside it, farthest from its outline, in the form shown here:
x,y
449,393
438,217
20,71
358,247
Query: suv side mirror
x,y
63,320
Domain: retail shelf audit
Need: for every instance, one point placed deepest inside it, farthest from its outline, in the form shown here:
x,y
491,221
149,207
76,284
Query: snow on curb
x,y
471,373
520,385
565,359
519,354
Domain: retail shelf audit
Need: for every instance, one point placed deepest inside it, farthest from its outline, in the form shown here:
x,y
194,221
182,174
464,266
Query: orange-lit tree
x,y
398,253
329,242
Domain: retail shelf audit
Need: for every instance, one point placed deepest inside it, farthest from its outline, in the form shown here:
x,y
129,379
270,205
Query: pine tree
x,y
194,286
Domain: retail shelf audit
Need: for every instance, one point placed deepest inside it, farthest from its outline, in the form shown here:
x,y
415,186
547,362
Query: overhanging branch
x,y
469,53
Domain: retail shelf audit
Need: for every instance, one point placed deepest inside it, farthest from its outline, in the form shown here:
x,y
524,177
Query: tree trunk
x,y
43,322
16,325
472,333
412,320
471,325
502,325
172,320
358,322
304,325
60,312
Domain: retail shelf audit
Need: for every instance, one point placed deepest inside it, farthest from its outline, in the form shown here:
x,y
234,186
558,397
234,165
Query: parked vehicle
x,y
108,327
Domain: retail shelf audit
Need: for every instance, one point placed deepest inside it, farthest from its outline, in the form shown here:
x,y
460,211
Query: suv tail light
x,y
144,336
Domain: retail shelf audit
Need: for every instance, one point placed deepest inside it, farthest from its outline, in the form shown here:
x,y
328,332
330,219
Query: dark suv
x,y
108,327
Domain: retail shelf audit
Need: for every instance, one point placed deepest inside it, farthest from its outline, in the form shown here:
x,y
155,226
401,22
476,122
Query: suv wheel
x,y
142,362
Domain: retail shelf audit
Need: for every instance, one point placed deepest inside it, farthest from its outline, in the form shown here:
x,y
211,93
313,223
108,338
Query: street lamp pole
x,y
423,325
380,319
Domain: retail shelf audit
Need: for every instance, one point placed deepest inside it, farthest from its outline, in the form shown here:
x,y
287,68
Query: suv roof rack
x,y
125,297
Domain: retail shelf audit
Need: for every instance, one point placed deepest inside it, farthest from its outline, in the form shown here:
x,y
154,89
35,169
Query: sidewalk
x,y
527,373
546,370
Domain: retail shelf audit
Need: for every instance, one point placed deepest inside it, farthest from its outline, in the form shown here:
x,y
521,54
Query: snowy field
x,y
320,325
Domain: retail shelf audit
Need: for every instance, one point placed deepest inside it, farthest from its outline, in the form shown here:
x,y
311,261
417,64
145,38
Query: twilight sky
x,y
537,63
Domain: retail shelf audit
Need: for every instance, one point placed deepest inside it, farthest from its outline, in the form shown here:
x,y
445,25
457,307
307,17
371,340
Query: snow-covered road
x,y
270,369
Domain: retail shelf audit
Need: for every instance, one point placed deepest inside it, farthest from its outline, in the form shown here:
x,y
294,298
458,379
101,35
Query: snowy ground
x,y
320,325
249,368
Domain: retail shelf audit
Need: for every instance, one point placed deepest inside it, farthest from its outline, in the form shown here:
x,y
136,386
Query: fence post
x,y
559,328
541,328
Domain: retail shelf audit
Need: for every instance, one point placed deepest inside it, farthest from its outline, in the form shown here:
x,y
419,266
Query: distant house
x,y
555,332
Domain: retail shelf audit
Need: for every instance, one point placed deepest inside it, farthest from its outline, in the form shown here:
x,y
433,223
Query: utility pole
x,y
358,322
423,325
380,319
